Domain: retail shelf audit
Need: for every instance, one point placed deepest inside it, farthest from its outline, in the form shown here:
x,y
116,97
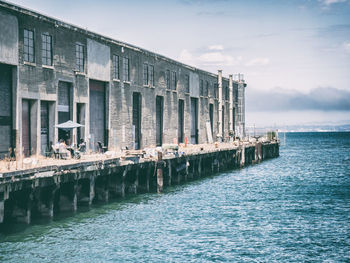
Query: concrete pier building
x,y
52,71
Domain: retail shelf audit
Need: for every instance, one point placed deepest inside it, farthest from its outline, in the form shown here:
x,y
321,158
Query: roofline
x,y
58,22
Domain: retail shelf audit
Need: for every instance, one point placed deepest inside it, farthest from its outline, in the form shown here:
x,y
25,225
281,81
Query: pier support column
x,y
242,156
44,201
68,197
132,188
200,167
121,187
2,209
101,188
143,179
22,206
117,179
4,195
160,173
169,173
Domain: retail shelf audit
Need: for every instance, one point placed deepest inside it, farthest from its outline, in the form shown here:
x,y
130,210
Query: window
x,y
227,93
173,80
126,73
206,93
28,51
115,67
187,83
216,90
145,74
167,79
46,49
201,88
151,75
79,56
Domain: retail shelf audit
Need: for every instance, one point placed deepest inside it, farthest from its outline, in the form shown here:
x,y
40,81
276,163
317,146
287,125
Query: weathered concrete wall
x,y
45,192
8,39
38,82
99,59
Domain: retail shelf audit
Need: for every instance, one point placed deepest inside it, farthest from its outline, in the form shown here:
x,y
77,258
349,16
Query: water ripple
x,y
295,208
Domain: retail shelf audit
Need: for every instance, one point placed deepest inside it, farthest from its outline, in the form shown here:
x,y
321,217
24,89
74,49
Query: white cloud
x,y
216,47
185,56
346,46
258,62
216,58
212,58
330,2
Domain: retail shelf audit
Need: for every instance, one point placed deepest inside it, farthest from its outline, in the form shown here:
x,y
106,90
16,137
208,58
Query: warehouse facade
x,y
125,96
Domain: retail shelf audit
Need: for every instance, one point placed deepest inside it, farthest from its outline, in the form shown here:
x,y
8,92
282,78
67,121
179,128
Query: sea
x,y
294,208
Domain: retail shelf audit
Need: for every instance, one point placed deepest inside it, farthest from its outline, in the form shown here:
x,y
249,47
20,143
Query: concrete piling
x,y
160,173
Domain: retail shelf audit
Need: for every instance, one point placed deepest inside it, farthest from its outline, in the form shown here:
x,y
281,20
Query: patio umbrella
x,y
68,125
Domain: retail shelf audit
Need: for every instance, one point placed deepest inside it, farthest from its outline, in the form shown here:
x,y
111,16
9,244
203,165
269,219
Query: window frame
x,y
145,71
201,87
126,69
173,80
206,88
116,71
79,57
187,83
167,79
46,49
29,46
151,75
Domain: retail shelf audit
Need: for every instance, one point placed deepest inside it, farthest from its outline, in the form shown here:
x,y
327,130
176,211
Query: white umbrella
x,y
68,125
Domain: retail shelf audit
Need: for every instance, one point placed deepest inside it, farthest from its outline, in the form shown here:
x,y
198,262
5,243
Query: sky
x,y
294,54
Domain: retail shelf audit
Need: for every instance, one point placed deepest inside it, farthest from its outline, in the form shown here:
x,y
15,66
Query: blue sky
x,y
295,54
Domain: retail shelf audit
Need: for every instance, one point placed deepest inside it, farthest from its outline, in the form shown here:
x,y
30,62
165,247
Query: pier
x,y
46,191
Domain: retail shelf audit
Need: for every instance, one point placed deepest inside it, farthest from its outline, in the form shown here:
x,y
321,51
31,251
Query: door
x,y
181,121
159,121
211,118
44,131
64,108
223,123
136,119
26,143
5,109
194,121
97,113
233,120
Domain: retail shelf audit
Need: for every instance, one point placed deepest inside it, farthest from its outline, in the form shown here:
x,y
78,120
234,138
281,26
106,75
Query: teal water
x,y
295,208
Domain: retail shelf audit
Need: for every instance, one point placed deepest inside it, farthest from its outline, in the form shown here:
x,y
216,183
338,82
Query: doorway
x,y
181,125
26,127
97,113
211,118
136,119
223,123
159,120
194,121
64,108
6,141
44,129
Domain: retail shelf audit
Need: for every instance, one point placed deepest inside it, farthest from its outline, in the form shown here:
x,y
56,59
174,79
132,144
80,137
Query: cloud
x,y
323,98
216,47
346,46
214,55
258,62
186,57
216,59
331,2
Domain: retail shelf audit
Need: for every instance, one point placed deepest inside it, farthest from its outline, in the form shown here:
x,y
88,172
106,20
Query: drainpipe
x,y
231,106
220,139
